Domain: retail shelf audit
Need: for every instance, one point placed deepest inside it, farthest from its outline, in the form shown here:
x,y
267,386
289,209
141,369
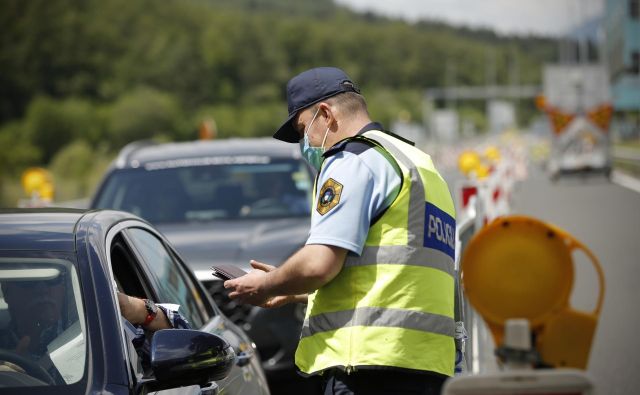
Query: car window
x,y
172,284
130,280
42,327
205,190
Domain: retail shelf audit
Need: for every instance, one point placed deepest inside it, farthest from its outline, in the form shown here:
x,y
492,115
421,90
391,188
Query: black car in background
x,y
59,270
223,202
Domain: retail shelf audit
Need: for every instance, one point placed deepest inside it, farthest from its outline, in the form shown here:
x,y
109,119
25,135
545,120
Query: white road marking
x,y
625,180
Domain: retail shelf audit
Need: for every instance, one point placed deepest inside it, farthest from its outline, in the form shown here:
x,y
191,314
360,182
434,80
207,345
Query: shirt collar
x,y
371,126
378,126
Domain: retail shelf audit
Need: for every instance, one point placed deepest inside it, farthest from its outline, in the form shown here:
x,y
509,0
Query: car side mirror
x,y
181,357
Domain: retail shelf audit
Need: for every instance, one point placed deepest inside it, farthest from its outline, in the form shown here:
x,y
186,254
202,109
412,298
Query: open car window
x,y
129,277
42,325
131,280
169,279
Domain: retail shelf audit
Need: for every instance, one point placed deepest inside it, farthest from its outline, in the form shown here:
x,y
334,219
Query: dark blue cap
x,y
310,87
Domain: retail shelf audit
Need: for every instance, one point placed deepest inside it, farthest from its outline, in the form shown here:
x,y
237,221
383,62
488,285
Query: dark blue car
x,y
61,331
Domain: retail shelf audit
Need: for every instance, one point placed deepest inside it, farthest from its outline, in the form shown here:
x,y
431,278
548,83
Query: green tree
x,y
141,114
77,168
16,154
50,124
199,53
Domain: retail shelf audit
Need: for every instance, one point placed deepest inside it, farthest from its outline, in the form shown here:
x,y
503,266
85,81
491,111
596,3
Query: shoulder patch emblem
x,y
329,196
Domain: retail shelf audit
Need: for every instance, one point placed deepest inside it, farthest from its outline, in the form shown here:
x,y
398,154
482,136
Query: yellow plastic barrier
x,y
468,161
492,153
520,267
34,178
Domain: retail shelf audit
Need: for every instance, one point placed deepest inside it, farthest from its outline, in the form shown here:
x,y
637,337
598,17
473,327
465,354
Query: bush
x,y
77,168
244,121
16,154
142,114
386,105
51,124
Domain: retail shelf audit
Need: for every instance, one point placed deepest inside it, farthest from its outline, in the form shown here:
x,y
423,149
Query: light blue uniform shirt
x,y
369,182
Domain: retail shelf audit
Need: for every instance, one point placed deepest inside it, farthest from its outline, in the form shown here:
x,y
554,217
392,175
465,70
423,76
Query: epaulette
x,y
355,145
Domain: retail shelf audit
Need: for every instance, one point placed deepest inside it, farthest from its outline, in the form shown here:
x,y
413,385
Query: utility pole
x,y
490,70
450,82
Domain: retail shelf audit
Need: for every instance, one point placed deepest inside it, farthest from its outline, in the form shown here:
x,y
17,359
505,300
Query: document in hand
x,y
227,272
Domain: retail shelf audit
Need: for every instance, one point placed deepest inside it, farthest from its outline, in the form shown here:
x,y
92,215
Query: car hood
x,y
202,245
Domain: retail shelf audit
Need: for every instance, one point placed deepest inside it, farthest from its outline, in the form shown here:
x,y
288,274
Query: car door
x,y
130,278
171,282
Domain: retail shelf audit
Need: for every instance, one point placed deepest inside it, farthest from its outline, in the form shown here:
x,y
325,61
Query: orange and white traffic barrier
x,y
486,192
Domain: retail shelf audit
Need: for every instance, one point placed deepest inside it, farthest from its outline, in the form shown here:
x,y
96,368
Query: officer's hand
x,y
248,288
278,301
261,266
281,300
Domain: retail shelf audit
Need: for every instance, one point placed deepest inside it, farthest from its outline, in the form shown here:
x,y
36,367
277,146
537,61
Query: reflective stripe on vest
x,y
386,325
378,316
402,255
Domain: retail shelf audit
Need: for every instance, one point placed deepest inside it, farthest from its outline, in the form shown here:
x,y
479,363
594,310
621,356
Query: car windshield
x,y
206,189
42,330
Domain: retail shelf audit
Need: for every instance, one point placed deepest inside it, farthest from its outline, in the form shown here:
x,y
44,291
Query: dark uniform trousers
x,y
382,382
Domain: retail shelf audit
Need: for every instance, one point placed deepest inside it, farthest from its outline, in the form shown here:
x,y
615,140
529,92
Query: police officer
x,y
379,260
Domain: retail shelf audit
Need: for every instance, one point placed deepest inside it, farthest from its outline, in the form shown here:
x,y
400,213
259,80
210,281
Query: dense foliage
x,y
110,71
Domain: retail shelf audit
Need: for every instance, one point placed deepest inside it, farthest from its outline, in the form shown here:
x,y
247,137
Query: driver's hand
x,y
6,366
21,349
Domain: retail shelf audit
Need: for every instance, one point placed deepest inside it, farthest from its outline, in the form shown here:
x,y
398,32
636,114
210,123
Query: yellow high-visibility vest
x,y
393,306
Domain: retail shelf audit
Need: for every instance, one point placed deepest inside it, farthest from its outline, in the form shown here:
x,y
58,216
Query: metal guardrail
x,y
477,347
627,159
465,231
627,154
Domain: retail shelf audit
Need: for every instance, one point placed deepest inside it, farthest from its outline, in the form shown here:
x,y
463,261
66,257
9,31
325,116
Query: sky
x,y
540,17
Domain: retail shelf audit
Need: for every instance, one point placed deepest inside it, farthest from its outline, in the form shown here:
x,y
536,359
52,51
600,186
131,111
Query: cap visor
x,y
286,132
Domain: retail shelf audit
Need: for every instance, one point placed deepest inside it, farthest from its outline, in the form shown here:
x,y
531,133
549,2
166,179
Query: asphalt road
x,y
606,218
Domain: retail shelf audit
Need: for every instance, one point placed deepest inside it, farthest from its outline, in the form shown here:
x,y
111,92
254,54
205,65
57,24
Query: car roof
x,y
140,153
51,228
42,229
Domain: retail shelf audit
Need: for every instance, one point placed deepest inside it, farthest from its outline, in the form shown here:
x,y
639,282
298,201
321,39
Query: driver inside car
x,y
39,312
37,316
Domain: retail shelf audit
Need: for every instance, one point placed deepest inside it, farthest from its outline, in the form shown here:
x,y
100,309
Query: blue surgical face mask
x,y
313,155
